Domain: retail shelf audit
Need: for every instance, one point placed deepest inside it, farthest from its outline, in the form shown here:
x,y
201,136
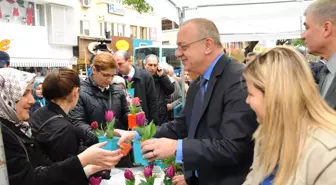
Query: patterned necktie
x,y
197,107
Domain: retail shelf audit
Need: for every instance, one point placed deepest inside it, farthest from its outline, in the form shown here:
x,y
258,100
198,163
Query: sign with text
x,y
4,45
115,9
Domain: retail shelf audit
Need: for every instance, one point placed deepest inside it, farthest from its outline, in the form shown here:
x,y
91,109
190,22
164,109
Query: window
x,y
22,12
143,33
109,27
168,55
85,27
134,31
121,30
40,14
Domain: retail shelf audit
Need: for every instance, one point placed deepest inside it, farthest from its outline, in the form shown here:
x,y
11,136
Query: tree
x,y
139,5
298,42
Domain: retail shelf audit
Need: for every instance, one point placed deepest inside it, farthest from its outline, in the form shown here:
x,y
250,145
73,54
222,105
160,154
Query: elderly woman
x,y
26,163
296,138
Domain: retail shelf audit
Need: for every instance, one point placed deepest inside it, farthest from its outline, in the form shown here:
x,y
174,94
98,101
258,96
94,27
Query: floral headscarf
x,y
13,84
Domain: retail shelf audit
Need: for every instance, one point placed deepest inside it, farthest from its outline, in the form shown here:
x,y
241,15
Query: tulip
x,y
94,125
129,79
151,166
148,171
109,115
128,174
95,181
140,118
135,101
170,172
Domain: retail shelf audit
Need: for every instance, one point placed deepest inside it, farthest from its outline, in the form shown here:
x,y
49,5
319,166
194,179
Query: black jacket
x,y
164,87
221,147
58,138
144,86
32,167
92,105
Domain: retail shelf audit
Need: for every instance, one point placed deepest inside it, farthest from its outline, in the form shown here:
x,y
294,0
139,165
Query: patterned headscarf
x,y
13,84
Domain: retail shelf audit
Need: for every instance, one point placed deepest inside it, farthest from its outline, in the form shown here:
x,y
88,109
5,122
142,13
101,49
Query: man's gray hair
x,y
323,10
151,56
125,54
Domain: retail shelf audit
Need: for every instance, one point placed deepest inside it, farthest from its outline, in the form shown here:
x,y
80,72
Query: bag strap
x,y
48,120
19,140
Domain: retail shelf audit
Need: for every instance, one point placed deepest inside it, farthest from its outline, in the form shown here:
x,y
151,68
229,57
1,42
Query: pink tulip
x,y
135,101
128,174
129,79
109,115
140,118
95,180
170,172
148,171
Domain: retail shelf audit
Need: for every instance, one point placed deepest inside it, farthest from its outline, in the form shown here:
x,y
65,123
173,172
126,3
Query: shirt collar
x,y
131,73
208,72
331,64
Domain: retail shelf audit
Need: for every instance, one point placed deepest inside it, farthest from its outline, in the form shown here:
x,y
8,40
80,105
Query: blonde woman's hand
x,y
95,155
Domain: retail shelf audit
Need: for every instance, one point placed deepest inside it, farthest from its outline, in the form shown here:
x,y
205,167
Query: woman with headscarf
x,y
38,96
26,164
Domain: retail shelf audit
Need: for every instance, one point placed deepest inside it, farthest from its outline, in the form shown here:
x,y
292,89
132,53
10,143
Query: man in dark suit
x,y
320,38
216,121
143,83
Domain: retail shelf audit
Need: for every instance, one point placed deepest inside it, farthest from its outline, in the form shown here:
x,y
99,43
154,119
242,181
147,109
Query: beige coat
x,y
316,167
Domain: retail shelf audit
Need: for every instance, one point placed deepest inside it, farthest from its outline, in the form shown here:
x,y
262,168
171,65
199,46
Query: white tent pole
x,y
229,49
181,12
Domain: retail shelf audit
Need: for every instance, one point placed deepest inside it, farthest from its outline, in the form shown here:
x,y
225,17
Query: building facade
x,y
124,26
38,34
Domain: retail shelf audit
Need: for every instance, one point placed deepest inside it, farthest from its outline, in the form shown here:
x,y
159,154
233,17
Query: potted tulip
x,y
146,132
135,109
107,133
129,89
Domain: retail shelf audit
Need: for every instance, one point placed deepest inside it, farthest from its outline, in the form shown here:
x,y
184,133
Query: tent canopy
x,y
241,20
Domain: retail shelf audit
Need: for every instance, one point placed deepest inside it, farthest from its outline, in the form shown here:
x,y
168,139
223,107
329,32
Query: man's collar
x,y
207,73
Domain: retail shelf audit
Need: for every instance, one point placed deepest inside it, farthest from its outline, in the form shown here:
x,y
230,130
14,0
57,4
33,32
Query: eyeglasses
x,y
107,75
186,46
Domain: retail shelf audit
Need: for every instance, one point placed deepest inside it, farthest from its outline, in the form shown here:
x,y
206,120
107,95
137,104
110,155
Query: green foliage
x,y
298,42
167,181
139,5
110,129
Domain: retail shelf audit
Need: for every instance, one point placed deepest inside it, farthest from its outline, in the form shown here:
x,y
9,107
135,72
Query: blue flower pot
x,y
131,92
138,157
112,144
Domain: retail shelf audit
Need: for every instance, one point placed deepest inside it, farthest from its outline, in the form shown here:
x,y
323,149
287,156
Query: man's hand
x,y
169,107
162,148
160,71
179,180
125,136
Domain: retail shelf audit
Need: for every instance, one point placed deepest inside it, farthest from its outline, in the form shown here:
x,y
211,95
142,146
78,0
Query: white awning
x,y
41,62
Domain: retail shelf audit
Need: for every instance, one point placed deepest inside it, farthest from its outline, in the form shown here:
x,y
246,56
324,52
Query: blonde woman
x,y
296,138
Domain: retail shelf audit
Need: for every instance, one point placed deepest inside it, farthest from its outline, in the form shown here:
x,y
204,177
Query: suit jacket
x,y
317,166
330,97
145,89
222,150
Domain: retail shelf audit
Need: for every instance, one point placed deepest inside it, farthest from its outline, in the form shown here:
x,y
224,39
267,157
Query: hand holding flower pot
x,y
146,132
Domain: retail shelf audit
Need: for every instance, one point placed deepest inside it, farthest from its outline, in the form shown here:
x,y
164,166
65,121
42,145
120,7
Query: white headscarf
x,y
13,84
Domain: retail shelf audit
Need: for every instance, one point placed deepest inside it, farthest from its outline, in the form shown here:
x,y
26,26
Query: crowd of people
x,y
269,122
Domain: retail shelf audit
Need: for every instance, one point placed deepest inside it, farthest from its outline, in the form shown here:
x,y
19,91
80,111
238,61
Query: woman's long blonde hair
x,y
293,106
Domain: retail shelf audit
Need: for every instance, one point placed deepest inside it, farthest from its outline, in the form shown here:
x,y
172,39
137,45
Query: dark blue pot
x,y
112,144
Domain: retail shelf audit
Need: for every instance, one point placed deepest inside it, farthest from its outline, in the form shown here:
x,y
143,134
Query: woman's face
x,y
23,105
103,78
38,91
255,99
